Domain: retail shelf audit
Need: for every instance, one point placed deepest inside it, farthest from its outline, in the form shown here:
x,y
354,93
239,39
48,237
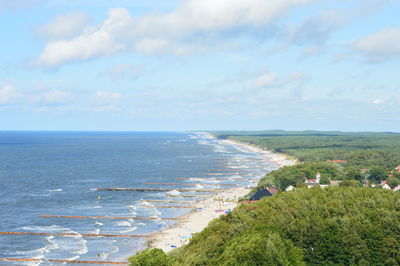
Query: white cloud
x,y
378,101
8,95
53,97
315,30
196,16
122,71
267,80
380,46
65,26
107,101
165,33
107,98
98,42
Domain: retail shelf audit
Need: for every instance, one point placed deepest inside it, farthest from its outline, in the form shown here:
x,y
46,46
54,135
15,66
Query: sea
x,y
59,173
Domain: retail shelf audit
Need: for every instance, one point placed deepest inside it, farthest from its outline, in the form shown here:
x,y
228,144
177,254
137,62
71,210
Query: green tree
x,y
151,257
353,173
377,174
350,183
393,182
258,249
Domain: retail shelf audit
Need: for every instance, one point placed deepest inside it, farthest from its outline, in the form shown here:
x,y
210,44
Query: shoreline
x,y
204,211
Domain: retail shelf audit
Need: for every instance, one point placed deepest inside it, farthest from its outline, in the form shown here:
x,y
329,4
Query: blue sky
x,y
199,65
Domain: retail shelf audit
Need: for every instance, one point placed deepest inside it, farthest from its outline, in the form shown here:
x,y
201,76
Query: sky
x,y
181,65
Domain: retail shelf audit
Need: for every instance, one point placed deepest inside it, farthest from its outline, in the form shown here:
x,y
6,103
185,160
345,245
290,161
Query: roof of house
x,y
338,161
273,190
261,193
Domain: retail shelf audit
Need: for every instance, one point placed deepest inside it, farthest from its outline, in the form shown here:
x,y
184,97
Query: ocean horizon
x,y
58,173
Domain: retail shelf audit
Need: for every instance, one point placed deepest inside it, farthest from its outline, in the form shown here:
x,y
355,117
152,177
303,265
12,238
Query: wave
x,y
95,231
63,243
55,190
123,223
133,228
113,249
173,193
83,249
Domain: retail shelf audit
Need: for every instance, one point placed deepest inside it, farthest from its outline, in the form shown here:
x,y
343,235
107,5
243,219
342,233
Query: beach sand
x,y
206,210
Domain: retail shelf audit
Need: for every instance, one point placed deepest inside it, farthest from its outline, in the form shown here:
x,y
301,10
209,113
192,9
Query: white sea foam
x,y
95,231
173,193
123,223
55,190
98,223
113,249
83,249
133,228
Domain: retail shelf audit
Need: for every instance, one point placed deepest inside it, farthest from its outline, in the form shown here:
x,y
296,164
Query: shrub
x,y
151,257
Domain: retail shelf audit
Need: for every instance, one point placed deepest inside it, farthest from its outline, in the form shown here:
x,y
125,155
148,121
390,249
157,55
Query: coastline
x,y
214,206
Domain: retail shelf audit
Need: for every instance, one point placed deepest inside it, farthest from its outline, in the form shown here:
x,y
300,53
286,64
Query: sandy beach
x,y
206,210
203,212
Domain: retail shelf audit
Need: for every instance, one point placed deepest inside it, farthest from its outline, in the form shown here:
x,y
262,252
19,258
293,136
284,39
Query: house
x,y
261,193
337,161
385,185
273,190
313,182
397,188
289,188
398,169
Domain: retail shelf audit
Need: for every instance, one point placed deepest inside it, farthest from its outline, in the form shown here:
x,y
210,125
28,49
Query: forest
x,y
362,156
333,226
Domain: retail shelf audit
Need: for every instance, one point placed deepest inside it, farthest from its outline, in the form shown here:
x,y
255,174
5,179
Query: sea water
x,y
57,173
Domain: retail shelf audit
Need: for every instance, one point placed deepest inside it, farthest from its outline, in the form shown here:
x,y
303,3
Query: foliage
x,y
393,182
151,257
350,183
377,174
337,225
295,175
362,150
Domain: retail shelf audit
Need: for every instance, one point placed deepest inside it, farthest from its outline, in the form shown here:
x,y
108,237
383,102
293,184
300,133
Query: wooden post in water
x,y
105,217
67,234
157,189
65,261
187,184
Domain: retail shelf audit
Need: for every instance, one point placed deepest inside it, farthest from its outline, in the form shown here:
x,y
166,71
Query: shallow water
x,y
57,173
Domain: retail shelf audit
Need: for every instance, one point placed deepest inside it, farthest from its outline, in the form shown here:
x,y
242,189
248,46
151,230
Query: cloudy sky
x,y
199,64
